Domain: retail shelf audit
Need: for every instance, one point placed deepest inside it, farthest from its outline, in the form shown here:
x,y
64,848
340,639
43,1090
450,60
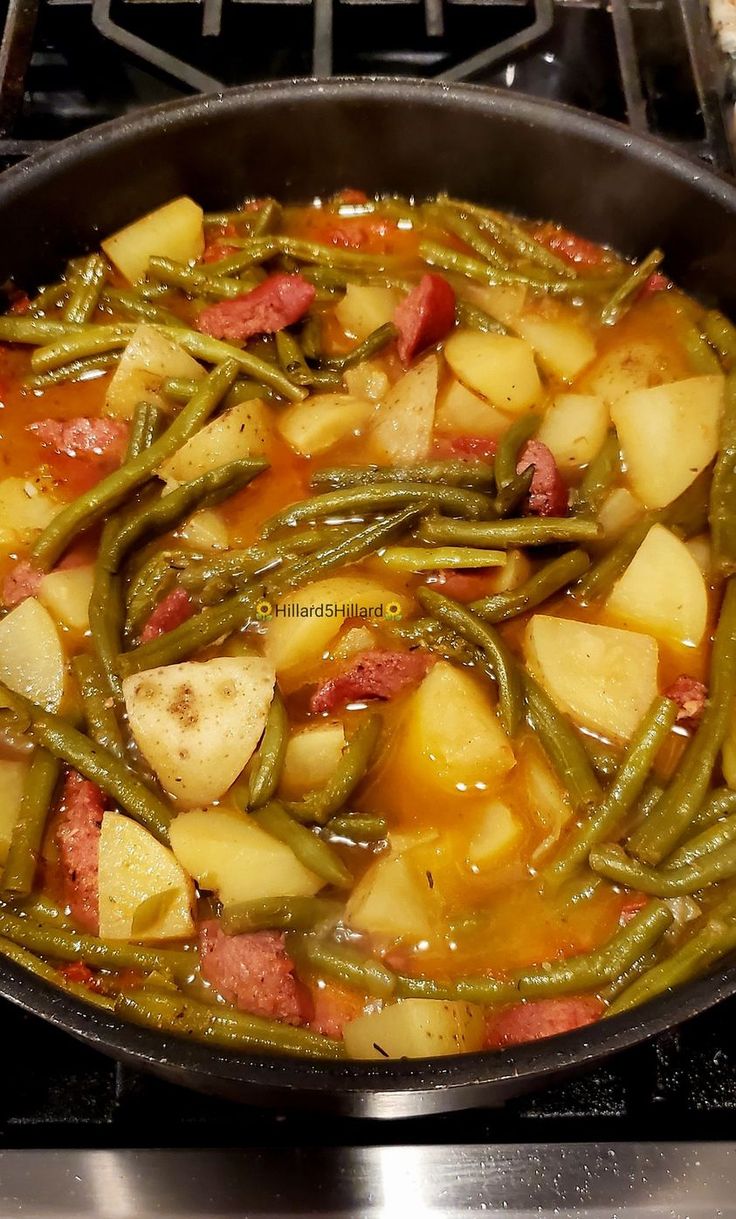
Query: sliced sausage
x,y
690,695
424,316
481,447
22,581
547,494
279,301
88,439
333,1007
253,971
77,838
176,607
541,1018
378,674
574,249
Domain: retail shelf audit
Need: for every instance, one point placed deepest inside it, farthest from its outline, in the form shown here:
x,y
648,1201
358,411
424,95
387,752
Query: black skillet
x,y
303,139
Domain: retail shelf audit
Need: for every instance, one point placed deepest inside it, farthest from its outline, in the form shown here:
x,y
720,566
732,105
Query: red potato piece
x,y
279,301
77,838
574,249
690,696
540,1018
378,674
175,608
253,971
424,316
88,439
548,494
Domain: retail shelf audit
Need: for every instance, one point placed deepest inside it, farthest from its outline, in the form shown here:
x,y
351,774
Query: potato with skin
x,y
668,435
662,590
148,360
31,656
175,230
144,893
198,723
66,595
499,367
322,420
403,425
603,678
241,431
228,854
574,428
416,1028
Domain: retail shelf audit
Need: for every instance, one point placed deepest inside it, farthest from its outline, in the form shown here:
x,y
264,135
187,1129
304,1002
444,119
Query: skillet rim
x,y
474,1076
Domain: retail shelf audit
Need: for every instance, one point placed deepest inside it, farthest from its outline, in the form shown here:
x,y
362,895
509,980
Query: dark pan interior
x,y
298,140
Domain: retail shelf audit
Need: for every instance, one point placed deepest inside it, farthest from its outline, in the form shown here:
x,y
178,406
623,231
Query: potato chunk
x,y
460,412
497,366
175,230
242,431
364,308
198,723
404,420
12,780
392,901
66,595
668,434
144,893
31,655
627,367
227,853
562,345
452,738
574,428
606,679
662,590
315,425
311,756
148,360
309,618
25,509
416,1028
497,834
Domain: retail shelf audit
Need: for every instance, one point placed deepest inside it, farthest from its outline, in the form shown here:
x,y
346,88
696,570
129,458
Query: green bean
x,y
606,760
86,289
720,333
88,508
179,390
99,713
268,761
148,585
473,474
379,497
319,806
682,799
722,511
35,331
482,272
477,319
333,256
214,351
79,343
217,575
117,300
624,980
25,843
467,230
423,558
221,220
77,370
527,531
514,438
720,803
510,497
598,580
550,579
236,611
346,965
167,1012
104,954
370,346
600,476
47,973
483,636
640,756
358,827
144,428
688,514
507,232
626,291
93,761
562,745
50,297
168,511
41,909
713,838
702,357
195,280
266,218
575,975
250,251
279,914
612,862
311,851
650,797
295,366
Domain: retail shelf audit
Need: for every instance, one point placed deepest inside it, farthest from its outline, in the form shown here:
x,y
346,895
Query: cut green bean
x,y
171,1013
545,583
319,806
626,291
528,531
345,965
713,838
195,280
722,511
482,272
268,762
214,351
93,761
35,331
702,357
376,341
599,477
477,475
86,289
25,843
279,914
379,497
461,224
435,558
88,508
77,370
605,759
131,305
483,636
358,827
315,854
99,711
561,743
511,497
612,862
78,343
720,333
513,441
104,954
720,803
35,965
511,234
598,580
638,761
476,318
